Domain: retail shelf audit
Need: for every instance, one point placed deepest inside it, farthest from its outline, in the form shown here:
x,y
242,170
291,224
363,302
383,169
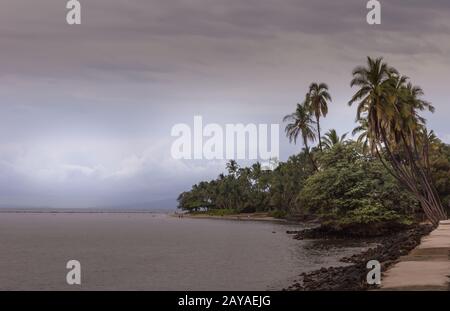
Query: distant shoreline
x,y
80,211
243,217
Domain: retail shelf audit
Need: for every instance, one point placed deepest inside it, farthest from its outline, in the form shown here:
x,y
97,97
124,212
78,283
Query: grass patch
x,y
217,212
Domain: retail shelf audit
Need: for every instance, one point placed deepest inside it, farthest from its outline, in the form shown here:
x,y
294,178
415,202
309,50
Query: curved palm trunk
x,y
318,131
427,186
412,176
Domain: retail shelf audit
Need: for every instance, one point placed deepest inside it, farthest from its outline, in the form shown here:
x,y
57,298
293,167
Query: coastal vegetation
x,y
394,172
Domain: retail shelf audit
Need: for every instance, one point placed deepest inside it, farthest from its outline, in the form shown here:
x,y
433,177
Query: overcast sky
x,y
86,111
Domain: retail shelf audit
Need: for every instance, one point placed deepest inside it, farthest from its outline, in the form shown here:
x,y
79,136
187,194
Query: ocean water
x,y
145,251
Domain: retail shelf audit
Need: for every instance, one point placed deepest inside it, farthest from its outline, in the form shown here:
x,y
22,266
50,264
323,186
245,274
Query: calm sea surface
x,y
144,251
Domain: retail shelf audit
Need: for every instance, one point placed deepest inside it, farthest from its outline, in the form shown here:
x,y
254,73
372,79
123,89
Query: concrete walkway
x,y
427,267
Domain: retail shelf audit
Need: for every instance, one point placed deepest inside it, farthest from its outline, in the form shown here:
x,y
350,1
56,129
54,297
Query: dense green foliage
x,y
389,110
440,170
251,189
392,173
354,187
350,186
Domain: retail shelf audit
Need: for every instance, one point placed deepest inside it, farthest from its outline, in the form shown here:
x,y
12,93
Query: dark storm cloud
x,y
254,18
115,31
86,111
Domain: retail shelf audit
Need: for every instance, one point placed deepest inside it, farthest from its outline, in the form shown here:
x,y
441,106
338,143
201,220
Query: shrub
x,y
353,188
277,214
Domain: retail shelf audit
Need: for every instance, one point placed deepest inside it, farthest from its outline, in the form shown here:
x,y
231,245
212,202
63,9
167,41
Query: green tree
x,y
317,100
287,180
362,139
354,188
301,124
390,107
332,138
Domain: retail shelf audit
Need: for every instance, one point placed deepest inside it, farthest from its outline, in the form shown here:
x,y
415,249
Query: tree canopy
x,y
394,170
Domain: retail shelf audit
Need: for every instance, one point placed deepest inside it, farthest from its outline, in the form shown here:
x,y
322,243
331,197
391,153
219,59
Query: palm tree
x,y
233,168
301,124
317,100
388,111
363,139
332,138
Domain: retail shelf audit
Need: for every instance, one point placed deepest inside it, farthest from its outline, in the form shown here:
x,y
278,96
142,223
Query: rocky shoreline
x,y
353,276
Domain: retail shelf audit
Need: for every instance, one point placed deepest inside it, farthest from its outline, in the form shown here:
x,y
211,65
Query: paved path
x,y
427,267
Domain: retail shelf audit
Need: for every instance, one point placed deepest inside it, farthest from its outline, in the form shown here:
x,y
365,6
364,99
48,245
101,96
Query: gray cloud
x,y
79,103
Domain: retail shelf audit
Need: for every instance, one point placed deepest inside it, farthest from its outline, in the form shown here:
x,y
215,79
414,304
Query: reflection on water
x,y
143,251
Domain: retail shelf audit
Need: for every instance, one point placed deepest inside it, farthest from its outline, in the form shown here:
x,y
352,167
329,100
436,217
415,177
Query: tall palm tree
x,y
332,138
373,82
318,99
301,124
388,110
